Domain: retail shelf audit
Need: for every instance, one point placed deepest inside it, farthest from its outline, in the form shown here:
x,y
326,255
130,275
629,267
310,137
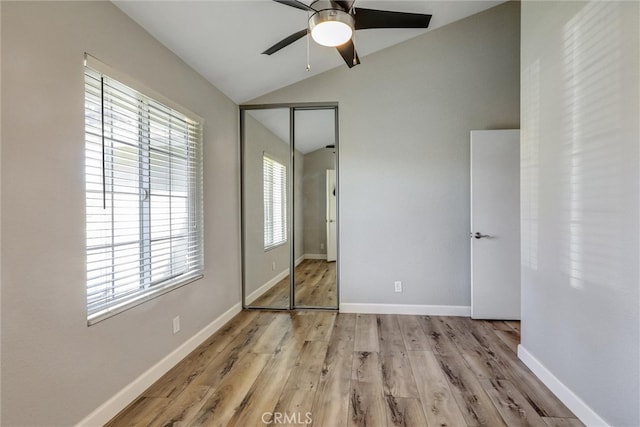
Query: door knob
x,y
479,235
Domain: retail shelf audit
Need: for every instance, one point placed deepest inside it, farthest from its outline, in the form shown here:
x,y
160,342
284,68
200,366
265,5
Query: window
x,y
143,167
275,202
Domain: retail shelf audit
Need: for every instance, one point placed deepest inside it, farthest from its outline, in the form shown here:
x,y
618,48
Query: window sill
x,y
276,246
106,313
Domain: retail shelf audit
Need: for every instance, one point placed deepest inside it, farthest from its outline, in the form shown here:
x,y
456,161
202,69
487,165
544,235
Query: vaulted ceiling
x,y
223,39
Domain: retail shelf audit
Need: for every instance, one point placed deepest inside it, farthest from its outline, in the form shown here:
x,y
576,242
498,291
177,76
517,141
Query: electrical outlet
x,y
273,266
176,324
321,245
398,286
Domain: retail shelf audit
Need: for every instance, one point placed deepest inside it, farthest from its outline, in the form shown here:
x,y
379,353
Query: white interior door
x,y
332,243
495,224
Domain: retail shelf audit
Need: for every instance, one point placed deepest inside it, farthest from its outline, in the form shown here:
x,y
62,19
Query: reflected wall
x,y
266,259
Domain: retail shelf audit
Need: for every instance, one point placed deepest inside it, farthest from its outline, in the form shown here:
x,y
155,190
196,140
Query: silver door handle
x,y
479,235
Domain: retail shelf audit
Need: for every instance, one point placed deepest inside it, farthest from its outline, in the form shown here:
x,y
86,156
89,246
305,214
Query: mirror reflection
x,y
266,177
315,272
289,208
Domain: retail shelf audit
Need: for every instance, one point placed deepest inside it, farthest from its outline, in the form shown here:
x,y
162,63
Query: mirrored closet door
x,y
315,272
289,206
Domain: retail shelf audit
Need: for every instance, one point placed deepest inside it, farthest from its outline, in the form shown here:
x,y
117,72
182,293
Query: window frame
x,y
149,103
283,191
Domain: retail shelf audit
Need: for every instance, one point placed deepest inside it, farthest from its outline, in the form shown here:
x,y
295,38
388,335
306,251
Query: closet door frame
x,y
292,107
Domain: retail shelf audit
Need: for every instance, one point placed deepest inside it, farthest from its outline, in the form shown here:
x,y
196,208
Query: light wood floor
x,y
315,286
351,370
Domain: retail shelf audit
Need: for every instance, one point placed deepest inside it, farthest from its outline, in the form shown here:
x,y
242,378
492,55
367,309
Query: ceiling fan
x,y
333,22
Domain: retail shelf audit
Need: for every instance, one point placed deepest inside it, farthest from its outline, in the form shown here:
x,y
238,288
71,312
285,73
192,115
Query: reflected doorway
x,y
290,206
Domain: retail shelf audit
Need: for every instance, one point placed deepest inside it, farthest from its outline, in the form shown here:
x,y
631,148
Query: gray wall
x,y
314,187
580,213
405,117
55,369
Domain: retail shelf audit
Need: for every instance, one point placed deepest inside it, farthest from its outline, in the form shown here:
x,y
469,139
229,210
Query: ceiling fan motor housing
x,y
338,23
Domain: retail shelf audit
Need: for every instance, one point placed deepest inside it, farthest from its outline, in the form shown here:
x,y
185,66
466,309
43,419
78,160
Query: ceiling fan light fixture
x,y
331,27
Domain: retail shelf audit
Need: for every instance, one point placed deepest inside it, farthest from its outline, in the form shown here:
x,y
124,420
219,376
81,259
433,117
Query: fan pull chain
x,y
308,41
308,62
353,43
353,40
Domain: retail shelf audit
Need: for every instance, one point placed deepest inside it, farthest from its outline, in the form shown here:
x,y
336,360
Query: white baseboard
x,y
130,392
430,310
264,288
271,283
315,256
584,413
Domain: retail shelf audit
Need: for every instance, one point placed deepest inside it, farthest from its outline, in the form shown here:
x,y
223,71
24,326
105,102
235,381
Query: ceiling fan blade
x,y
286,42
344,4
371,18
347,51
296,4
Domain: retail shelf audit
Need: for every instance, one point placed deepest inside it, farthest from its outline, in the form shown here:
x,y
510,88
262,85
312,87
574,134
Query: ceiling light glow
x,y
331,27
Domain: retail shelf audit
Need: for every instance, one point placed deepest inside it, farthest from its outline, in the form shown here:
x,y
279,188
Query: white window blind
x,y
275,202
143,168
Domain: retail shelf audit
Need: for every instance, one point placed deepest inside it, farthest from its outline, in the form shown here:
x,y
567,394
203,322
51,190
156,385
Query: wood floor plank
x,y
437,334
513,407
366,406
405,412
366,333
298,394
473,401
482,365
306,373
263,395
499,325
222,364
397,376
534,391
438,403
366,368
183,408
413,334
562,422
366,399
511,338
270,339
180,376
344,328
389,334
302,321
331,403
139,413
218,408
322,326
514,324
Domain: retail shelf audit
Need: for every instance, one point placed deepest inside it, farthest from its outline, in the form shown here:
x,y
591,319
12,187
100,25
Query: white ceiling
x,y
223,39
